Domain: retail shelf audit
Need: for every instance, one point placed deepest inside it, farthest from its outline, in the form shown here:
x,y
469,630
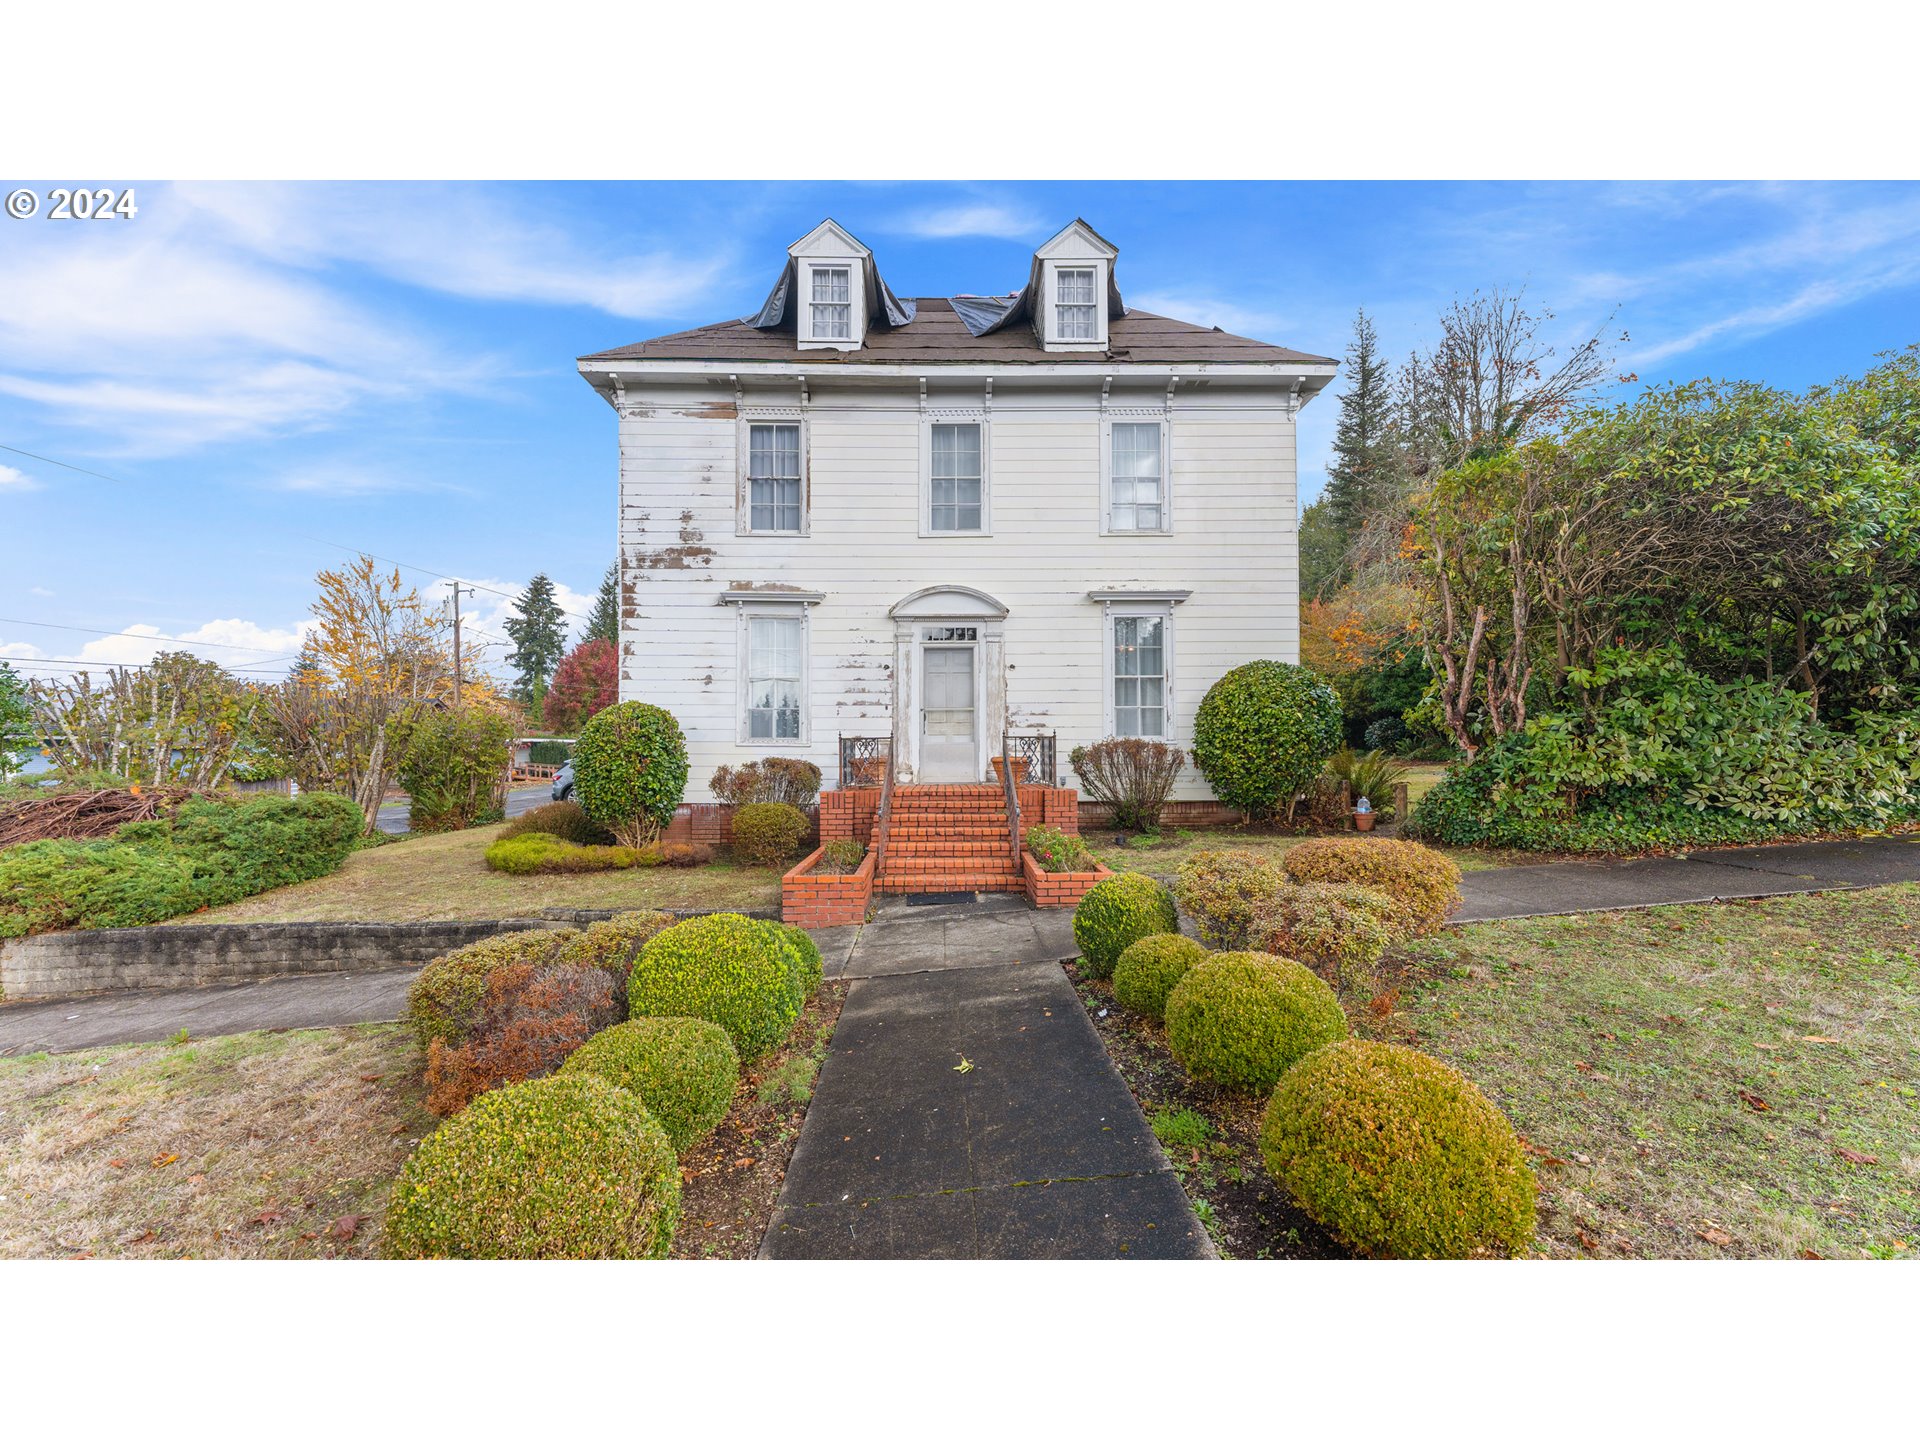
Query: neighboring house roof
x,y
938,334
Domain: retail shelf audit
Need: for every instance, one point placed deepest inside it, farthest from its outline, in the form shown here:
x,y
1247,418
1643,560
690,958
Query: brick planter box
x,y
814,902
1047,889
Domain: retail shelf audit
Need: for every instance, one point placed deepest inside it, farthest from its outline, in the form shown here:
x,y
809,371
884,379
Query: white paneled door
x,y
949,726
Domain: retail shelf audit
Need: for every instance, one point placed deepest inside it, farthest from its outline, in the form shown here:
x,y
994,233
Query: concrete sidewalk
x,y
967,1109
1571,887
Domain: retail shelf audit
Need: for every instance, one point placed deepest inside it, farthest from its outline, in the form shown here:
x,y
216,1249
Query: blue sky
x,y
269,371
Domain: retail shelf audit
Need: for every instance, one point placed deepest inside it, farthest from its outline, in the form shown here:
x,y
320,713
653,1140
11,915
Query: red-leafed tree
x,y
586,682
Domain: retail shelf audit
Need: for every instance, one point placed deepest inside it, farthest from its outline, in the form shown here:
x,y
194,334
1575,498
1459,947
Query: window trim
x,y
802,299
1091,305
1161,610
745,612
813,302
743,482
1136,416
975,417
1048,323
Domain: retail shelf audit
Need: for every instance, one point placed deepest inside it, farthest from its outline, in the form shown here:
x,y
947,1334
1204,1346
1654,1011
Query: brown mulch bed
x,y
1245,1212
730,1181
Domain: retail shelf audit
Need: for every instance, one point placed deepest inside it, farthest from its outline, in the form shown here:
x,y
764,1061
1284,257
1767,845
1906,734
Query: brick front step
x,y
945,845
945,883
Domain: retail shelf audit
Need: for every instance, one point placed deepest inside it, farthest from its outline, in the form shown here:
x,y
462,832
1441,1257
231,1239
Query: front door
x,y
949,734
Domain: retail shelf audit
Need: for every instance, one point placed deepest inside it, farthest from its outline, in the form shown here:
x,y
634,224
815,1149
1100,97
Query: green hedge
x,y
729,969
1150,967
538,853
1116,912
769,833
683,1070
1242,1020
565,1168
207,852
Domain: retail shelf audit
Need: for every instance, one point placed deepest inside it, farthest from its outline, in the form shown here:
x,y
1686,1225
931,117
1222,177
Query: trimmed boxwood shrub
x,y
804,955
1263,732
1337,931
566,1168
537,853
683,1070
1397,1154
1116,912
1426,882
725,968
630,770
770,833
1150,967
446,997
531,1019
1222,890
611,945
561,817
1241,1019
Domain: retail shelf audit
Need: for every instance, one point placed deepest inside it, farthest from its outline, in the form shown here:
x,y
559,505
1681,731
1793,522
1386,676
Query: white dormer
x,y
830,289
1075,276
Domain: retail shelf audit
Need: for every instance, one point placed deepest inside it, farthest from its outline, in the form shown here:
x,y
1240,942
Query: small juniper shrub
x,y
1337,931
769,833
840,857
446,997
725,968
1426,882
531,1019
566,1168
1116,912
1241,1020
562,818
1059,853
611,944
776,780
1222,890
1150,967
683,1070
537,853
1397,1154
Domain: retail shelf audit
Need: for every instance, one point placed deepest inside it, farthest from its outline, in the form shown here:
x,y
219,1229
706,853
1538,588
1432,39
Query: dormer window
x,y
1074,303
832,303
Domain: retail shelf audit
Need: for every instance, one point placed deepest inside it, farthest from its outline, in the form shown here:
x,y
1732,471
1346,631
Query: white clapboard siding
x,y
1234,547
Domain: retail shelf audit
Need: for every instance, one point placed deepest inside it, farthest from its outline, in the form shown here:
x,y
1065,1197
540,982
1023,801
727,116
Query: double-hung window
x,y
776,676
1140,676
832,303
1073,316
773,478
1137,495
956,496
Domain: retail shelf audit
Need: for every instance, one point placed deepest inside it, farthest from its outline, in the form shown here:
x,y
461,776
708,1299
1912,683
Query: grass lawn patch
x,y
1161,855
1700,1080
445,877
285,1145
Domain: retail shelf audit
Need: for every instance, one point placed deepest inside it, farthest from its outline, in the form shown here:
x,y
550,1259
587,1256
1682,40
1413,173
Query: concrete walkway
x,y
967,1110
1571,887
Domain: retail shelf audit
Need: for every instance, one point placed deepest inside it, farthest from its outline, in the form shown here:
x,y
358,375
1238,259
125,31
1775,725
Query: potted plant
x,y
1363,816
1019,769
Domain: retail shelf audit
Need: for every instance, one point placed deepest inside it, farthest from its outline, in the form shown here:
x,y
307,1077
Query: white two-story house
x,y
950,520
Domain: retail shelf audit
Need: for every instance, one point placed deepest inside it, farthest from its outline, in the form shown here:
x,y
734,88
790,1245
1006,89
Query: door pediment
x,y
948,602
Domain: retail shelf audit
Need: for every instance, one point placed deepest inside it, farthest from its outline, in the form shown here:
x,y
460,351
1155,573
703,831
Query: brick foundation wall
x,y
815,902
1177,815
1048,890
709,822
847,814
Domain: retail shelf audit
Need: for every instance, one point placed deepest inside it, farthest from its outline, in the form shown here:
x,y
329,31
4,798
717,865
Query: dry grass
x,y
445,877
1162,855
259,1146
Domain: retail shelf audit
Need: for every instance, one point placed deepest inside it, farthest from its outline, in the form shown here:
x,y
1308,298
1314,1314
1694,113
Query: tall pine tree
x,y
605,624
1361,477
539,633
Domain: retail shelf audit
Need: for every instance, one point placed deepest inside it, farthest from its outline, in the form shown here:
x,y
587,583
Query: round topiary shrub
x,y
1398,1155
1337,931
611,945
630,770
1116,912
1263,732
683,1070
446,998
1241,1019
1222,890
769,834
724,968
1424,881
1150,967
566,1168
805,957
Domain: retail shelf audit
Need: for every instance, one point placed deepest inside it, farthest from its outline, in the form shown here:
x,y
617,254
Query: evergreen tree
x,y
605,624
538,630
1323,552
1361,478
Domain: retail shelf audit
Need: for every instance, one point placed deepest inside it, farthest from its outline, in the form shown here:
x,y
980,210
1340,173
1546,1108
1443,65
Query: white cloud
x,y
15,480
347,480
954,222
1206,310
19,650
41,591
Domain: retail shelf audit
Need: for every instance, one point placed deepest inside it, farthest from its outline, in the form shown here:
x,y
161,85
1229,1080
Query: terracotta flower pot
x,y
1019,770
870,771
1363,820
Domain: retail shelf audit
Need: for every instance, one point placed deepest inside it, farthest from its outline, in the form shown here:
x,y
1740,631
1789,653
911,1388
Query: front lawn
x,y
286,1145
445,877
1161,855
1690,1081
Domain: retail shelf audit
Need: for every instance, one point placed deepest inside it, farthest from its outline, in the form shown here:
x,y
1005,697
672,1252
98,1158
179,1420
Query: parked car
x,y
563,782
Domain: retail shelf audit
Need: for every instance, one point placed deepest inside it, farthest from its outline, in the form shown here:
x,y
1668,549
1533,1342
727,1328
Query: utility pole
x,y
456,640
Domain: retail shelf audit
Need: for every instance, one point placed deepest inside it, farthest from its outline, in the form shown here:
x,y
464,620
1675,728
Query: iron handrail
x,y
1013,801
883,819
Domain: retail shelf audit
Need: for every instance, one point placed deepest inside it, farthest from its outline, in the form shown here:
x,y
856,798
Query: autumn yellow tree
x,y
375,653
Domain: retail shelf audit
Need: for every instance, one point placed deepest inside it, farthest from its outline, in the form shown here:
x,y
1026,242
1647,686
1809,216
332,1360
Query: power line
x,y
48,460
450,579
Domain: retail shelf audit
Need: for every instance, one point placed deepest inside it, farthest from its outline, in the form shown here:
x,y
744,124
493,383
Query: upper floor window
x,y
773,478
1137,497
956,496
832,303
1074,313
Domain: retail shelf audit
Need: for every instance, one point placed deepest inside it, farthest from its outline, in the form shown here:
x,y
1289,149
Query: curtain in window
x,y
1139,676
773,471
1137,498
956,478
773,678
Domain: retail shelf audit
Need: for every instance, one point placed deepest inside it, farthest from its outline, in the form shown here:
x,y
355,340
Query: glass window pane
x,y
969,518
1147,518
1153,721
